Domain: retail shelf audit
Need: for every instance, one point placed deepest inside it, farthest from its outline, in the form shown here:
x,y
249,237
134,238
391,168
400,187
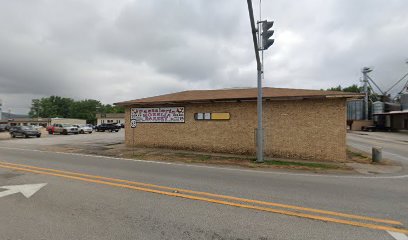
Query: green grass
x,y
178,154
203,157
356,154
301,164
138,156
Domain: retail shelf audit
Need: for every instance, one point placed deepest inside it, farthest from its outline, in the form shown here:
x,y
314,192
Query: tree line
x,y
353,88
56,106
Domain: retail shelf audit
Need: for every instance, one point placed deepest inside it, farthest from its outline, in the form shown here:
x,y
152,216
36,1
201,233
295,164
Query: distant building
x,y
40,121
303,124
27,121
68,121
391,115
118,118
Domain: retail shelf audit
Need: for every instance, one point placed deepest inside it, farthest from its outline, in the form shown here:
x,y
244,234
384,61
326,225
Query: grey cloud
x,y
115,51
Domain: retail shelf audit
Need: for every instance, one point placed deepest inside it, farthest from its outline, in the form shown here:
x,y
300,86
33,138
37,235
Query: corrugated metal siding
x,y
355,110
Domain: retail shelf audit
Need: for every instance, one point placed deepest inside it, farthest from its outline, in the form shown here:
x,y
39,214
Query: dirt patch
x,y
168,155
357,156
4,136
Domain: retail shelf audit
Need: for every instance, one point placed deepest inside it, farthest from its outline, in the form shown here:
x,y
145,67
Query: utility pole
x,y
261,39
365,80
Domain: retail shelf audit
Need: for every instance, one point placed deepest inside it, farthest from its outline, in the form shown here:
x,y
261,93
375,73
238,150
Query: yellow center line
x,y
215,195
289,213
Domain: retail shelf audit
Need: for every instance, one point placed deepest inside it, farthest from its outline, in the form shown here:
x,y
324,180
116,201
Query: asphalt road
x,y
100,205
395,145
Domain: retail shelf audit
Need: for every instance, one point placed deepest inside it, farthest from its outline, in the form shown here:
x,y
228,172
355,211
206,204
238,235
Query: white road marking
x,y
398,236
27,190
216,168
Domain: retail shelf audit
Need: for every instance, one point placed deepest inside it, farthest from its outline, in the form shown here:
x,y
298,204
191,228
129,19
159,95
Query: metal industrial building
x,y
304,124
392,116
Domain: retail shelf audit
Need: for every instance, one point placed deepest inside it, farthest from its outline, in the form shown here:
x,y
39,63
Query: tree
x,y
55,106
85,109
352,88
338,88
35,108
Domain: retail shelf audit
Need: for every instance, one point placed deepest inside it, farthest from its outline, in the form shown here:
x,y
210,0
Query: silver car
x,y
82,128
65,129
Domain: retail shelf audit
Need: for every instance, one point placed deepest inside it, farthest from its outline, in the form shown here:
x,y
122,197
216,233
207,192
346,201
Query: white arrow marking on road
x,y
398,236
27,190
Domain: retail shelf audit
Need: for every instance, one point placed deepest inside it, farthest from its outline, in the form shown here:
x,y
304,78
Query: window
x,y
199,116
211,116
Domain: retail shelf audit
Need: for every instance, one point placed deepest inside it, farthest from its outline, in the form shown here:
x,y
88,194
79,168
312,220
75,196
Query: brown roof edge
x,y
246,94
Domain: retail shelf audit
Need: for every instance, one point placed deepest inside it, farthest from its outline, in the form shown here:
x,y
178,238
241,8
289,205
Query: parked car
x,y
24,131
82,128
65,129
3,127
12,128
37,127
50,129
107,127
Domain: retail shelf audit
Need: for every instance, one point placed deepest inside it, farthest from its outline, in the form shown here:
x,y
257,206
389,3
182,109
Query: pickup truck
x,y
50,129
107,127
62,129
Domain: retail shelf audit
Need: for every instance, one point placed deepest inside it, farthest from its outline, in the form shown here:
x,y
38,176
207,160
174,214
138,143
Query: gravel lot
x,y
96,138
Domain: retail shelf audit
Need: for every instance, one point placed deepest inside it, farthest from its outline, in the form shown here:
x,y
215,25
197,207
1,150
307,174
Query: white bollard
x,y
376,154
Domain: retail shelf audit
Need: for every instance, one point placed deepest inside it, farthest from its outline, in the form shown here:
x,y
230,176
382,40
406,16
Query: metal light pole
x,y
365,80
259,132
261,40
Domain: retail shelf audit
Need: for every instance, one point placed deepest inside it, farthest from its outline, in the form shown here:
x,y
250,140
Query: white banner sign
x,y
158,115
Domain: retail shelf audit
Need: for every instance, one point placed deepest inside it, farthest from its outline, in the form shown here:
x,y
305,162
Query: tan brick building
x,y
305,124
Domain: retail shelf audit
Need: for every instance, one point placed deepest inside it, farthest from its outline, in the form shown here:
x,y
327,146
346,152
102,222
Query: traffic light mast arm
x,y
254,37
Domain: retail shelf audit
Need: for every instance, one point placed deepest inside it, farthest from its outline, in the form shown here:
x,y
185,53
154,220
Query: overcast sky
x,y
121,50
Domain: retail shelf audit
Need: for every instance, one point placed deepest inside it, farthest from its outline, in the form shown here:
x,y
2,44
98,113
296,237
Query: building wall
x,y
28,123
68,121
399,121
110,120
358,124
307,129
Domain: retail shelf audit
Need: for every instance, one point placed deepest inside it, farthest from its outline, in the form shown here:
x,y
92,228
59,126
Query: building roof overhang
x,y
238,95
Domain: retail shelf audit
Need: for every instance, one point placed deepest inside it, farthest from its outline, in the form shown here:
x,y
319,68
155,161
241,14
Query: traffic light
x,y
266,34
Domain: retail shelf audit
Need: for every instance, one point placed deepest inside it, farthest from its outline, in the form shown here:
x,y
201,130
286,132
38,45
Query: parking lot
x,y
94,139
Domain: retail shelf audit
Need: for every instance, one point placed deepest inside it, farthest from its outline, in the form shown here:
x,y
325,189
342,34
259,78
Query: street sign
x,y
133,123
158,115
